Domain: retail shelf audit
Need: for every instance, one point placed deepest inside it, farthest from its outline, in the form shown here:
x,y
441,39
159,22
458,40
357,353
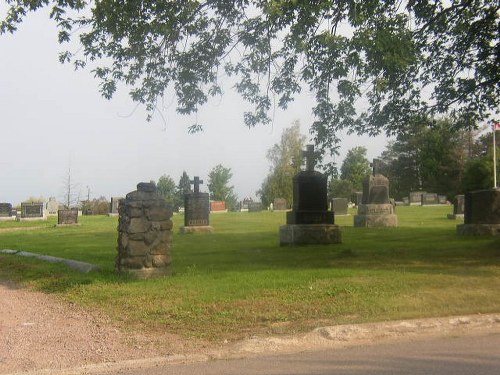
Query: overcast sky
x,y
53,119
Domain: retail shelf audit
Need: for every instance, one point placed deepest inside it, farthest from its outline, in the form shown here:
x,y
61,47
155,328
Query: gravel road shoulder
x,y
40,334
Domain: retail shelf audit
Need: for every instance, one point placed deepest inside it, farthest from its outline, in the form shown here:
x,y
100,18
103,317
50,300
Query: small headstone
x,y
114,206
458,208
406,201
310,222
482,213
339,206
376,209
196,210
6,212
280,204
144,233
32,211
67,217
218,206
442,199
254,207
430,199
415,198
52,207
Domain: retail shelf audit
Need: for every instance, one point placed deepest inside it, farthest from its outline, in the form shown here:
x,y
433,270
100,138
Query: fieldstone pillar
x,y
144,233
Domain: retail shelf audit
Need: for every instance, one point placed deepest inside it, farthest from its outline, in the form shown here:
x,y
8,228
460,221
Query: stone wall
x,y
144,233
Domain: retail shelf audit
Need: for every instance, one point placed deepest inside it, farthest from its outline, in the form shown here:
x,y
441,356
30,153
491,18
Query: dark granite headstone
x,y
32,210
196,210
429,199
5,210
482,213
67,217
339,206
458,208
309,221
280,204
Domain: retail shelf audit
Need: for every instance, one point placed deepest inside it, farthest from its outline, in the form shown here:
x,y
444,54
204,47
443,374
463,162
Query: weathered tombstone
x,y
254,207
144,233
430,199
67,217
376,209
52,207
114,206
218,206
415,198
406,201
339,206
244,204
33,211
442,199
6,212
279,204
458,208
196,210
310,222
481,213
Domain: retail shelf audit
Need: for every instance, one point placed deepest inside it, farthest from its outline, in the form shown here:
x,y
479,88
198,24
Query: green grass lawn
x,y
238,281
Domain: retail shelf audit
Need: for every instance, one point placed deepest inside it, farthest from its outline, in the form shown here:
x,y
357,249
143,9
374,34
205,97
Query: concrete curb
x,y
73,264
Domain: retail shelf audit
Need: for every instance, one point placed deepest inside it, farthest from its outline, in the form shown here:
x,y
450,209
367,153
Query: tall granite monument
x,y
310,222
376,209
144,233
196,210
482,213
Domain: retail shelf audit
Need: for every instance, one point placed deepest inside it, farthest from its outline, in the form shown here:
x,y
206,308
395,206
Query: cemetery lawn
x,y
238,282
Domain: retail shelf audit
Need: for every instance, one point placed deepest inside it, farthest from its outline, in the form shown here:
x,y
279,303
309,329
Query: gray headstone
x,y
31,210
115,204
482,213
415,197
339,206
279,204
52,207
459,205
429,199
5,210
67,217
442,199
254,207
376,190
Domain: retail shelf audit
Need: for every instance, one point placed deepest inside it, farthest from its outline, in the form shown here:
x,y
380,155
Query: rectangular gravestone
x,y
218,206
114,205
458,208
339,206
5,210
67,217
482,213
442,199
32,210
430,199
52,207
415,198
279,204
406,201
254,207
196,210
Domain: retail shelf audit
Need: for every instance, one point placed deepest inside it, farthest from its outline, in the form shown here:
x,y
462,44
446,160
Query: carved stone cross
x,y
196,182
309,155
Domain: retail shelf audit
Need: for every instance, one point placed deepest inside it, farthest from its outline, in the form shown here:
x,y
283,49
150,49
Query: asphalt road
x,y
472,354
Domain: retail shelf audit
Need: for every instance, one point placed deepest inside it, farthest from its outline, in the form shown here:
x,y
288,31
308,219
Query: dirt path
x,y
38,332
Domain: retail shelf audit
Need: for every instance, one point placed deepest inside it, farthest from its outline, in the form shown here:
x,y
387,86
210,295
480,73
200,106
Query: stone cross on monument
x,y
196,182
309,155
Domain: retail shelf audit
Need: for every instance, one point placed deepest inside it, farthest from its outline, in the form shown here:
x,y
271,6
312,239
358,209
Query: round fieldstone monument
x,y
144,233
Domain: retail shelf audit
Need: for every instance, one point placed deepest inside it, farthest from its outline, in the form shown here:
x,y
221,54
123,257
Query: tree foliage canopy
x,y
372,65
219,188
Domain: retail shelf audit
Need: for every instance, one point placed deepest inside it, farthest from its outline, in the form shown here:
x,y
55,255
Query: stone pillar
x,y
144,233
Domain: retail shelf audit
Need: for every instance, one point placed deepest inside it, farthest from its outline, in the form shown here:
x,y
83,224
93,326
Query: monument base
x,y
68,225
455,216
197,229
310,234
33,218
478,229
365,221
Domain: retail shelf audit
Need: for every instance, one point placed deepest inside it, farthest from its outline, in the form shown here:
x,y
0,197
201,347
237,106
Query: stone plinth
x,y
482,213
144,233
309,234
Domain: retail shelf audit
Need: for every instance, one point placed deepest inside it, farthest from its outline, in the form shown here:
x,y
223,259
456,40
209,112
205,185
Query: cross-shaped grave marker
x,y
310,159
196,182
